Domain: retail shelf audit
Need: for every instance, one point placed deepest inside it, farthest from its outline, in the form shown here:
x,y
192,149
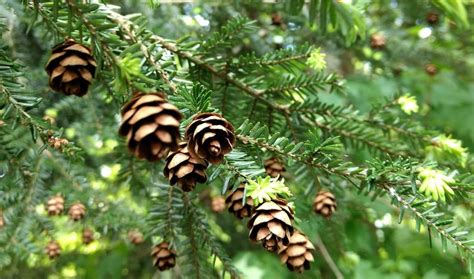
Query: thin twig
x,y
327,257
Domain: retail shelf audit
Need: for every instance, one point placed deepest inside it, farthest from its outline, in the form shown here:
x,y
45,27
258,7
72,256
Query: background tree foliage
x,y
369,124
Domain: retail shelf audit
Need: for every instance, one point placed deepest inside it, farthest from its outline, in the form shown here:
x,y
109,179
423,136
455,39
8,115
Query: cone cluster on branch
x,y
185,169
151,126
218,204
210,137
324,204
53,250
274,167
297,255
270,223
163,256
77,211
57,143
135,237
377,41
87,236
55,205
235,203
71,68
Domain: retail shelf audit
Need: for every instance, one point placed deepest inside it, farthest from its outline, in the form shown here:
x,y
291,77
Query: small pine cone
x,y
432,18
135,237
2,220
151,126
377,41
210,137
235,203
71,68
53,250
163,257
87,236
271,222
297,254
277,19
324,204
218,204
184,168
431,69
274,167
77,211
55,205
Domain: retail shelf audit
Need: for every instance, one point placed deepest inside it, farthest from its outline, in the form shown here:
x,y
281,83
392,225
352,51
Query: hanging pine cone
x,y
277,19
77,211
431,69
271,222
71,68
135,237
218,204
274,167
53,250
377,41
151,126
432,18
2,220
87,236
297,254
163,257
324,204
235,203
55,205
210,137
184,168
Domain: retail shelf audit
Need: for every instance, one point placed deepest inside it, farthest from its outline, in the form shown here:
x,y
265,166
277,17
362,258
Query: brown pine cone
x,y
53,250
55,205
185,169
297,254
277,19
377,41
271,222
2,220
87,236
71,68
163,257
77,211
218,204
135,237
235,203
274,167
431,69
432,18
210,137
324,204
151,126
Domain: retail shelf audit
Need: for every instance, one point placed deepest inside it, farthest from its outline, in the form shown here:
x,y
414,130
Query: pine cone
x,y
432,18
210,137
185,169
377,41
271,222
324,204
135,237
71,68
235,203
274,167
297,254
55,205
2,220
151,126
53,250
87,236
218,204
77,211
431,69
277,19
163,257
